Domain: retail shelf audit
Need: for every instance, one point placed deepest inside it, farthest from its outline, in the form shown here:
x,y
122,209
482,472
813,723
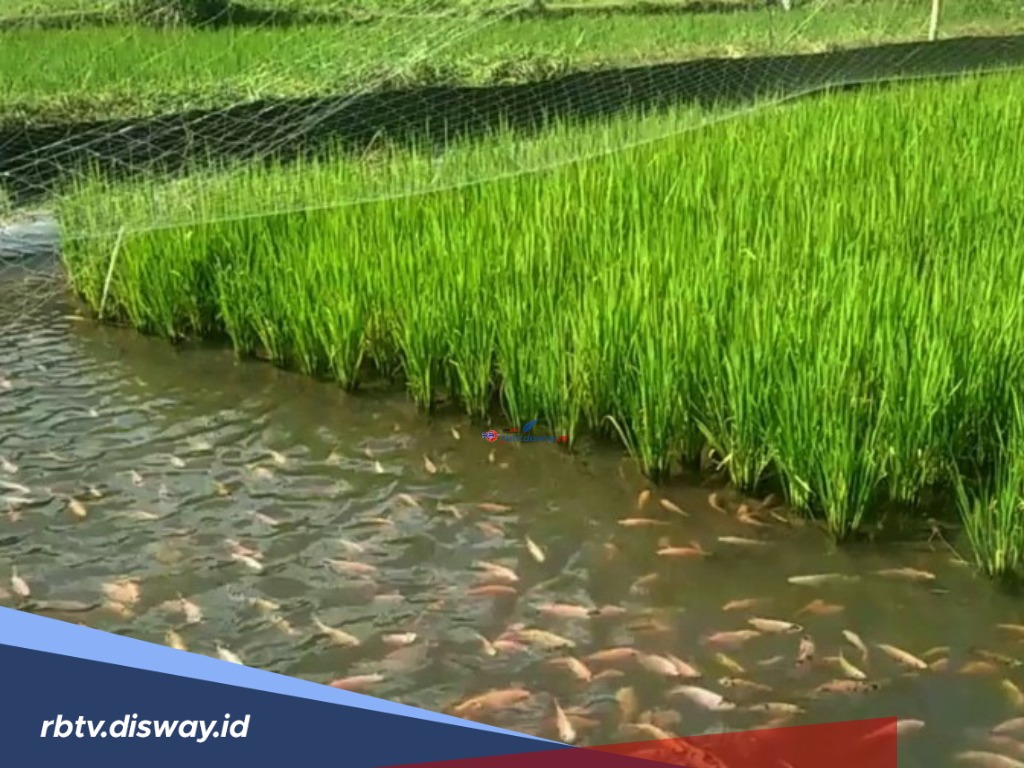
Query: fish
x,y
978,667
648,730
669,506
193,613
500,572
263,605
493,508
226,654
659,665
817,579
19,587
849,670
805,650
578,669
846,686
739,683
901,656
998,658
609,674
685,670
8,466
741,541
566,610
277,457
641,522
352,547
491,700
123,591
337,636
357,683
627,702
1014,728
542,639
454,433
703,698
909,574
981,759
645,581
730,664
643,498
248,561
731,639
819,607
1013,693
429,466
696,550
854,639
744,603
1017,629
352,568
774,626
77,509
174,640
715,502
612,655
535,551
566,731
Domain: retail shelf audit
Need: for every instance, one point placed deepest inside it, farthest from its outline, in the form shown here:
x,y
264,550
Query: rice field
x,y
826,295
63,75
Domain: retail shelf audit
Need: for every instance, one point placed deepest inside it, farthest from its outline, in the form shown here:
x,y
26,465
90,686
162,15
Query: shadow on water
x,y
235,485
33,159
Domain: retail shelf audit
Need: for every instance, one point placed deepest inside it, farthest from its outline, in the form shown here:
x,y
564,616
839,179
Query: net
x,y
128,115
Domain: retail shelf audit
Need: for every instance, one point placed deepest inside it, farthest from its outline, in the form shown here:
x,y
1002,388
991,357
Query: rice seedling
x,y
992,507
826,293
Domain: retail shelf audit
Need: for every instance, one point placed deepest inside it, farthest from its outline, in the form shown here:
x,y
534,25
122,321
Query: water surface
x,y
181,458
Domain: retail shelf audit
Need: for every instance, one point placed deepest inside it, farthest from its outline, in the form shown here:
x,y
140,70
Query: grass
x,y
59,76
828,294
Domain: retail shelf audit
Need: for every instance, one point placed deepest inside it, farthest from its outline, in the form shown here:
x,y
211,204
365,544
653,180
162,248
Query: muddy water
x,y
174,452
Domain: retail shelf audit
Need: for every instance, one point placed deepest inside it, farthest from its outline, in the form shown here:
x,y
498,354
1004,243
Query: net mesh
x,y
128,115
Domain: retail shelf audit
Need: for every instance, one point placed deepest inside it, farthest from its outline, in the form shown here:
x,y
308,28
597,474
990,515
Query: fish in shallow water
x,y
490,701
902,657
982,759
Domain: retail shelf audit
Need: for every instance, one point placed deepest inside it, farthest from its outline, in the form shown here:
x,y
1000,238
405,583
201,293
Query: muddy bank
x,y
37,158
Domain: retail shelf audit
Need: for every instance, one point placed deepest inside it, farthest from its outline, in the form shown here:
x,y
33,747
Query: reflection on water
x,y
326,537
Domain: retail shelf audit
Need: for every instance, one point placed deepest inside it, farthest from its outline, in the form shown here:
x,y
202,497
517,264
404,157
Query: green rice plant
x,y
132,70
992,508
825,293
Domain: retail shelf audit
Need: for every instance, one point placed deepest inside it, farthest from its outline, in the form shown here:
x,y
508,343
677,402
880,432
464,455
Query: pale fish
x,y
226,654
357,683
491,700
535,551
774,626
902,657
337,636
578,669
703,698
566,731
817,579
498,572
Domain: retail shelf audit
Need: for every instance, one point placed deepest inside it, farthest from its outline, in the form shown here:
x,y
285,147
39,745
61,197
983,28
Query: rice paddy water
x,y
180,496
822,298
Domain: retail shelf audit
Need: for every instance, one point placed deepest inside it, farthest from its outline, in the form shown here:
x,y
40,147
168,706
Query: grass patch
x,y
58,76
828,293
